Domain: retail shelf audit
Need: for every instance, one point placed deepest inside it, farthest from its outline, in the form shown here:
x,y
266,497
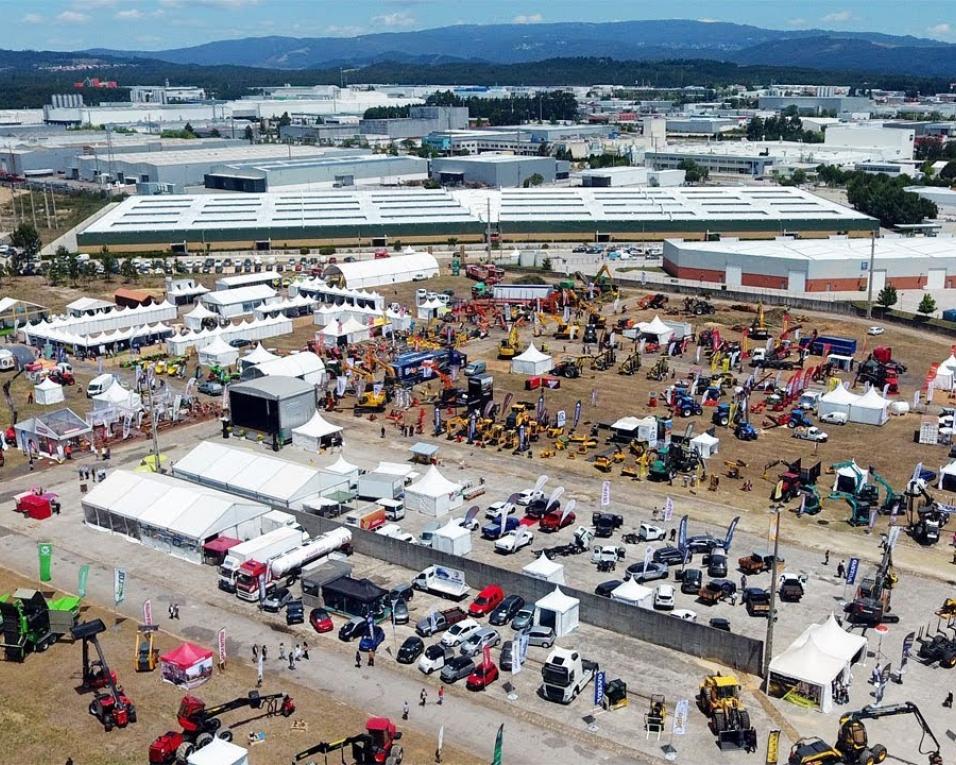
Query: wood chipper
x,y
719,699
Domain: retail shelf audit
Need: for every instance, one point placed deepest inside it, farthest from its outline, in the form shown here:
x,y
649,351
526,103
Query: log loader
x,y
112,707
852,746
200,724
375,746
719,699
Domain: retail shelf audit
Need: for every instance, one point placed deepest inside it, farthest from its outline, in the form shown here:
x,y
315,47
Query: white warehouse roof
x,y
834,248
372,273
239,295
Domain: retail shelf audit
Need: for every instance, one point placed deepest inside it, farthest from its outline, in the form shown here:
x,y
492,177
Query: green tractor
x,y
31,624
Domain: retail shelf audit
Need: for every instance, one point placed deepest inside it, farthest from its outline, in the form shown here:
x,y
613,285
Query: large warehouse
x,y
497,170
373,217
818,265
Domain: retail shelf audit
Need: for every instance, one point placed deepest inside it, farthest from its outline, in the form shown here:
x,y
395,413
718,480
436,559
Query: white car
x,y
459,632
511,543
834,418
528,496
494,510
812,433
686,614
472,526
875,330
650,533
433,659
664,598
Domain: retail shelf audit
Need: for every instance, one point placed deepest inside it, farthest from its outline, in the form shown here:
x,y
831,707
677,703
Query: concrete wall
x,y
737,651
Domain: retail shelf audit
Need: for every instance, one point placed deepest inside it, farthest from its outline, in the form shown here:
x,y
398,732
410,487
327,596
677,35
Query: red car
x,y
380,253
320,620
552,521
483,676
486,601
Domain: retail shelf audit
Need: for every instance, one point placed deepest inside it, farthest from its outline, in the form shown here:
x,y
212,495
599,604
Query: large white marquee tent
x,y
433,494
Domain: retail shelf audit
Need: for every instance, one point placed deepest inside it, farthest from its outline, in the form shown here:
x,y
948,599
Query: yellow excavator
x,y
508,348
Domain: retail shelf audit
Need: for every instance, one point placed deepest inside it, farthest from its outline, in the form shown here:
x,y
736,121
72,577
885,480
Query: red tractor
x,y
375,746
112,707
200,724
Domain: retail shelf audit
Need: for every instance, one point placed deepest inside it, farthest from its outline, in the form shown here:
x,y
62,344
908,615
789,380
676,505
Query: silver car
x,y
540,636
476,643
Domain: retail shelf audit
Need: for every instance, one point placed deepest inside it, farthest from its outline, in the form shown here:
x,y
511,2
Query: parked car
x,y
433,658
320,620
813,433
664,598
513,541
650,533
669,556
457,668
691,581
458,633
703,543
486,601
276,601
720,623
371,642
482,676
402,592
604,589
400,611
294,612
352,629
528,496
506,656
506,610
240,342
640,574
493,530
476,643
540,636
495,508
717,564
556,520
685,614
410,650
523,619
210,387
834,418
875,330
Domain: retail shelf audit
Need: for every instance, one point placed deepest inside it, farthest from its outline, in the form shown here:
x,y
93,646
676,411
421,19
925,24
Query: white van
x,y
394,508
99,384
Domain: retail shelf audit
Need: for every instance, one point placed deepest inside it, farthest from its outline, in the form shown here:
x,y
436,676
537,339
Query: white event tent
x,y
305,365
257,355
705,445
870,408
656,330
558,611
837,400
254,329
315,433
218,352
631,592
349,331
195,318
543,568
343,468
433,494
47,392
532,362
117,397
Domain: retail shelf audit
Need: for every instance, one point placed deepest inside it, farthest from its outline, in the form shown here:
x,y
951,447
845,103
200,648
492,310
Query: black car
x,y
720,623
294,613
506,610
505,659
669,556
703,543
717,565
457,668
539,508
604,589
352,629
691,581
410,650
240,342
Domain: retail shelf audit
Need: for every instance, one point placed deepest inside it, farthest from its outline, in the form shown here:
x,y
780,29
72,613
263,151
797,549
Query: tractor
x,y
375,746
719,699
939,647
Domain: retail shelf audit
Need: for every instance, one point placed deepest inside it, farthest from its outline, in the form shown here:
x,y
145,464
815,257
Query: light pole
x,y
869,281
772,615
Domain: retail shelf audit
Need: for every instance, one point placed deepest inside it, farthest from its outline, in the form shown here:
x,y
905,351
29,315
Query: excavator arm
x,y
891,710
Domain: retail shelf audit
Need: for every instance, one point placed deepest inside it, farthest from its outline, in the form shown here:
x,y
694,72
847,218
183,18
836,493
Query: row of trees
x,y
879,195
786,127
889,298
550,107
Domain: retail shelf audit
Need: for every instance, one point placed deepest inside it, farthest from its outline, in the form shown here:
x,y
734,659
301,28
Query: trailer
x,y
380,486
291,563
442,580
522,294
262,548
817,346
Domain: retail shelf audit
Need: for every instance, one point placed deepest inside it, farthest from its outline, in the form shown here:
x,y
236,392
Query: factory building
x,y
166,94
317,172
817,104
816,266
630,176
421,121
497,170
703,126
521,139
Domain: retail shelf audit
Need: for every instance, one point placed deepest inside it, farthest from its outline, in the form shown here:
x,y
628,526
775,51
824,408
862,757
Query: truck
x,y
31,623
488,273
265,547
418,366
565,674
439,621
605,523
843,346
380,486
367,520
757,601
442,580
285,567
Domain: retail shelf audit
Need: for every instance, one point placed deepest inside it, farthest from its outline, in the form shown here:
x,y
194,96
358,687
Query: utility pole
x,y
869,282
33,209
53,204
46,208
771,617
488,232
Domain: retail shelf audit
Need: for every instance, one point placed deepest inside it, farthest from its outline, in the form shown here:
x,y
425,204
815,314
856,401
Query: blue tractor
x,y
799,419
745,431
686,406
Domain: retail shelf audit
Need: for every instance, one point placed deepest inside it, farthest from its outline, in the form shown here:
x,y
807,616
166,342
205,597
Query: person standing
x,y
358,659
441,694
305,650
255,652
265,653
291,659
948,701
405,709
743,581
281,651
841,570
371,658
423,697
826,558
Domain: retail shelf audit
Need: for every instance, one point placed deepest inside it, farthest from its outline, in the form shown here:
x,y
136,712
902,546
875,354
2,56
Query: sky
x,y
159,24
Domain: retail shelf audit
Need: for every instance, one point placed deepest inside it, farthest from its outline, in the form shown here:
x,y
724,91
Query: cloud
x,y
530,18
940,30
72,17
133,14
838,17
796,22
709,21
337,30
33,18
225,4
397,19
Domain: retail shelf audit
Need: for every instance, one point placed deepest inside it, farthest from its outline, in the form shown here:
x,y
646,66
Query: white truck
x,y
514,541
441,580
394,531
265,547
565,674
294,561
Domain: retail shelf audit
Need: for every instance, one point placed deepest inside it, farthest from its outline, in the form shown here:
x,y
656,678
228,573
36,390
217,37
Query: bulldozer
x,y
719,699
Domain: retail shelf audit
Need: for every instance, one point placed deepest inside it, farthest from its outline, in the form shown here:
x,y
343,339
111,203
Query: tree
x,y
285,120
927,305
887,297
128,271
693,173
56,273
214,133
188,128
109,264
534,180
72,265
26,238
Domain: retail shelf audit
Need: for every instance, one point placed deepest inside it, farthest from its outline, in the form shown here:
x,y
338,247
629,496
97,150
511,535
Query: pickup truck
x,y
813,433
757,601
716,590
791,587
514,541
439,621
757,563
605,523
493,530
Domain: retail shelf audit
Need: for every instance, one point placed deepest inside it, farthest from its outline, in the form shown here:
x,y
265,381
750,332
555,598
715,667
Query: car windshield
x,y
481,600
434,651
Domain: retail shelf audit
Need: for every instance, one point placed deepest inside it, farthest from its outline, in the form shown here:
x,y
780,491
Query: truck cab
x,y
565,674
247,580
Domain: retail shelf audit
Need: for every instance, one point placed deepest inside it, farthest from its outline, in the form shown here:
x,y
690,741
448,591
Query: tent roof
x,y
219,752
94,304
631,591
259,355
809,663
705,438
872,400
217,347
853,470
541,566
632,423
383,268
394,468
836,640
273,387
317,427
186,655
949,469
533,355
293,365
200,312
452,530
950,362
557,601
341,466
115,394
654,327
839,395
433,484
47,384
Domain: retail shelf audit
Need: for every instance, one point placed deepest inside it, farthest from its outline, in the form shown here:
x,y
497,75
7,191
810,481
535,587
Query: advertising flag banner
x,y
499,745
668,509
682,534
577,413
45,555
680,718
222,646
648,554
82,579
730,533
147,612
853,565
600,683
562,418
605,494
119,585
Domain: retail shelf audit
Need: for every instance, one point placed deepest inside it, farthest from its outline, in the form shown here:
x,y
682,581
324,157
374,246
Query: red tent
x,y
187,666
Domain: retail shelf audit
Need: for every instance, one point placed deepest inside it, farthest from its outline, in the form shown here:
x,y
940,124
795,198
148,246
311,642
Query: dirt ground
x,y
44,719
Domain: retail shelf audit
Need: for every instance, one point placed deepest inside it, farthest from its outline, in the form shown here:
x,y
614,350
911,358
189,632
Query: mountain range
x,y
626,40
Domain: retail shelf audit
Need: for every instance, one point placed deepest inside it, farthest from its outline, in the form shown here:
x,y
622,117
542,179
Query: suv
x,y
717,565
352,629
506,610
540,636
691,581
669,556
640,574
664,598
277,600
478,640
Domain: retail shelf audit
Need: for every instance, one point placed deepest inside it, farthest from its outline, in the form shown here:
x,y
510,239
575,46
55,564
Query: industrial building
x,y
352,169
817,104
631,176
703,126
820,265
520,139
166,94
421,121
373,217
497,170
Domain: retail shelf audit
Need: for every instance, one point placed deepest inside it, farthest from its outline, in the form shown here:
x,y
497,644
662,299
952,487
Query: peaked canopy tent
x,y
947,477
631,592
256,356
47,435
849,477
316,434
655,330
837,400
298,305
346,332
431,309
218,353
107,321
558,611
816,661
257,329
200,317
117,397
532,362
343,468
433,494
329,294
47,392
705,445
870,408
548,570
187,666
168,514
945,374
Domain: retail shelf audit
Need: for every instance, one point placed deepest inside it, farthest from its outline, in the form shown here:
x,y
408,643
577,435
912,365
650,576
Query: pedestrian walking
x,y
169,610
255,652
405,709
441,694
423,697
298,652
305,650
281,651
265,652
948,701
826,558
358,659
841,570
175,610
383,431
371,658
743,581
291,659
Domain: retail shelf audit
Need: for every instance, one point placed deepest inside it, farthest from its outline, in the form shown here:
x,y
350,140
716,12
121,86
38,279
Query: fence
x,y
737,651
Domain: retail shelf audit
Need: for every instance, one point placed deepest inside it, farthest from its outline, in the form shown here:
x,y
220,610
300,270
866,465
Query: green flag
x,y
499,741
83,577
45,553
